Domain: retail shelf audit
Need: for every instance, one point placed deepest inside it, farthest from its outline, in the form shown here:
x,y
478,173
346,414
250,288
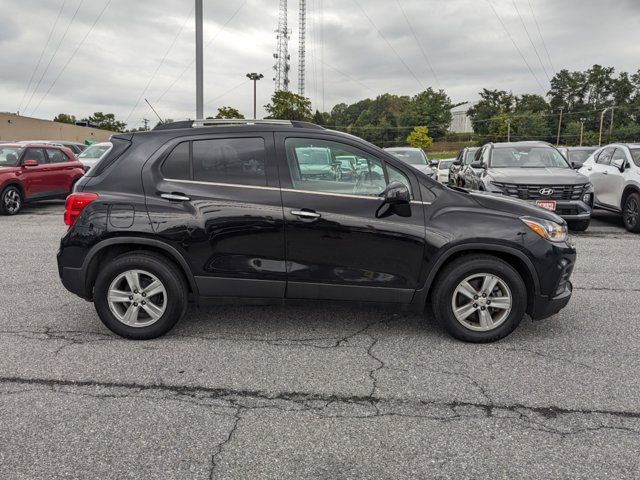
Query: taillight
x,y
76,202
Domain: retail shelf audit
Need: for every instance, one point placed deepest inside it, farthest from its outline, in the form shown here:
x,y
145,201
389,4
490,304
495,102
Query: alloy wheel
x,y
482,302
631,212
12,201
137,298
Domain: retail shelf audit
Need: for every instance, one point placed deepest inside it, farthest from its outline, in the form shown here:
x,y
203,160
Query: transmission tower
x,y
282,53
302,22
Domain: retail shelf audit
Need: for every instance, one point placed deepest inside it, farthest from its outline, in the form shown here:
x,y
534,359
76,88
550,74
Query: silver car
x,y
93,154
614,171
414,157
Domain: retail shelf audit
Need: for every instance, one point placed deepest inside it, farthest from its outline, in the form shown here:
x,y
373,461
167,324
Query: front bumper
x,y
544,306
570,209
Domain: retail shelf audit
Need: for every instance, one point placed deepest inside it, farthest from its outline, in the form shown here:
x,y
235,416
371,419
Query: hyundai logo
x,y
546,191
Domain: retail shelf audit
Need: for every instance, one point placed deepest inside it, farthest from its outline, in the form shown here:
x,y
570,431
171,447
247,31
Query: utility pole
x,y
611,125
508,130
601,121
581,129
146,123
559,127
199,61
255,77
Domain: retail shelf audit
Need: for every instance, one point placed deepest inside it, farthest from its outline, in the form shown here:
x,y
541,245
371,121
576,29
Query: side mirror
x,y
619,164
476,165
433,163
397,193
30,163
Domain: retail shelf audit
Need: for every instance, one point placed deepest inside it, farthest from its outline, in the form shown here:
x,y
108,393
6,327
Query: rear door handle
x,y
305,214
175,197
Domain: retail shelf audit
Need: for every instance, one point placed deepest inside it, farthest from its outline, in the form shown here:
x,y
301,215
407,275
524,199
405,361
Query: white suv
x,y
614,171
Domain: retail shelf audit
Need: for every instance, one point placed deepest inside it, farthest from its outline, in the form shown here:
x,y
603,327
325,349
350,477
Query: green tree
x,y
484,114
228,112
430,107
106,121
289,106
419,138
65,118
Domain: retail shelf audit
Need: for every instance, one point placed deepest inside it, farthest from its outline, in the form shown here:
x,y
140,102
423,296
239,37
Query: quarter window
x,y
176,165
332,167
230,160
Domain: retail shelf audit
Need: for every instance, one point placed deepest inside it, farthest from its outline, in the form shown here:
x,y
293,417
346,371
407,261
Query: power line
x,y
424,54
44,49
388,44
346,75
544,44
166,54
517,48
86,35
526,31
55,52
233,15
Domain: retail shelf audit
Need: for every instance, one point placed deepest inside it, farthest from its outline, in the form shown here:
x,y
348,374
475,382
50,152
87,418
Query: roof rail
x,y
210,122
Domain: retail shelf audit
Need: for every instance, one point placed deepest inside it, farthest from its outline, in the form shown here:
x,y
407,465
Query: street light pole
x,y
199,61
601,120
581,129
559,126
255,77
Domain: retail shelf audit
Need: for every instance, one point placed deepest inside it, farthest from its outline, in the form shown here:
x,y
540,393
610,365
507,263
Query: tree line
x,y
574,104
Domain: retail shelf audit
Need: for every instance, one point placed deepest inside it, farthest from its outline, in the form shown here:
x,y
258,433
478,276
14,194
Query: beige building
x,y
15,128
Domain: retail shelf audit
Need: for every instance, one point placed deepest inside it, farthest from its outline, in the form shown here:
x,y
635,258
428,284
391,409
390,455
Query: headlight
x,y
552,231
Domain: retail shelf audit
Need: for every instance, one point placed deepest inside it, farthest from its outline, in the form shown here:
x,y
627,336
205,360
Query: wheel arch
x,y
628,190
108,249
510,255
14,183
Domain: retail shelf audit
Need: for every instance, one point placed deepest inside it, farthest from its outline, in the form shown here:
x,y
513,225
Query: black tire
x,y
631,212
457,271
165,271
11,200
579,225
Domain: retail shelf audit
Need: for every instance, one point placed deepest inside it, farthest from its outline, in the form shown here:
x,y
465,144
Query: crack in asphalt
x,y
221,445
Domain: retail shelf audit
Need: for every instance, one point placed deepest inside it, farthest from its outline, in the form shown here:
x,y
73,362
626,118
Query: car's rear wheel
x,y
140,295
631,212
579,225
479,298
10,200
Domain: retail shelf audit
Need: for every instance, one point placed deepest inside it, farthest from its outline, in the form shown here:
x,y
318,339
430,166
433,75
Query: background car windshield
x,y
635,154
445,164
94,151
579,156
527,157
314,156
413,157
9,156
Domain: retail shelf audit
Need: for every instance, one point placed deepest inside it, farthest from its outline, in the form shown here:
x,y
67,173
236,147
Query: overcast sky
x,y
145,48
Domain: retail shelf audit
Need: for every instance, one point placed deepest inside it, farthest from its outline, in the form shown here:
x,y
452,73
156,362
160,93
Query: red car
x,y
35,172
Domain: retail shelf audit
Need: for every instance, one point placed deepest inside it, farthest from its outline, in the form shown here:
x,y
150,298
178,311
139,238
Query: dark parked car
x,y
463,161
536,172
207,212
416,158
30,172
577,155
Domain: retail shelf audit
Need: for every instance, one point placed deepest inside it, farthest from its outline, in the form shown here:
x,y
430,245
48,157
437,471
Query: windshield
x,y
412,157
94,151
527,157
635,154
9,156
444,164
579,156
469,155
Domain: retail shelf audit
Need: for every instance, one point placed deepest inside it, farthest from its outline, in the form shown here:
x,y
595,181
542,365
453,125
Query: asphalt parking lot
x,y
321,391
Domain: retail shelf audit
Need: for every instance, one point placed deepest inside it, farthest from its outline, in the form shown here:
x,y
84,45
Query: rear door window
x,y
230,160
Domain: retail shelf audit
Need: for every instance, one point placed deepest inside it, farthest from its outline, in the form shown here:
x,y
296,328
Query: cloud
x,y
348,59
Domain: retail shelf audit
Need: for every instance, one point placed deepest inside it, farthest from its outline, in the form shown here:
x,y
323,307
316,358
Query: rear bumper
x,y
73,279
544,306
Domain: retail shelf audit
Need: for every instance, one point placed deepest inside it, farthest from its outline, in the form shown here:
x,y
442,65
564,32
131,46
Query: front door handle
x,y
305,214
605,173
175,197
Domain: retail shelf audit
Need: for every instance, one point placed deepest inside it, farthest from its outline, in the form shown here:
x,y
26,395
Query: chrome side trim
x,y
291,190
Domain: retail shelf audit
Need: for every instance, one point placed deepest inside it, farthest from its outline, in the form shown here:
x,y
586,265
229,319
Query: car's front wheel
x,y
140,295
10,200
631,212
479,298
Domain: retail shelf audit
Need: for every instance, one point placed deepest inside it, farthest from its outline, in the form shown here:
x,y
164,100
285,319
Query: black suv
x,y
536,172
205,211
